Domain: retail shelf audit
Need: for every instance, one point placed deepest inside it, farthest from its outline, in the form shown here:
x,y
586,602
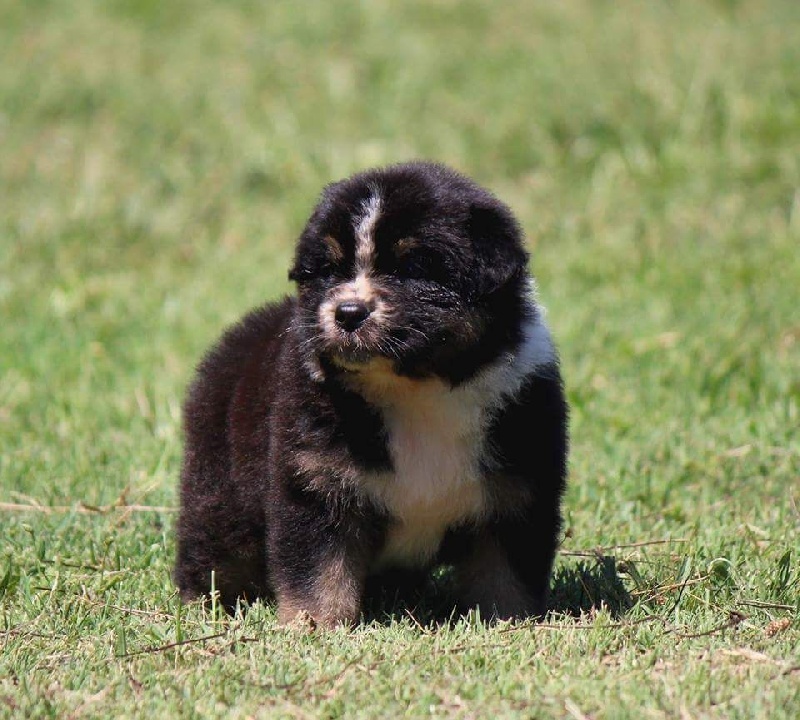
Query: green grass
x,y
156,162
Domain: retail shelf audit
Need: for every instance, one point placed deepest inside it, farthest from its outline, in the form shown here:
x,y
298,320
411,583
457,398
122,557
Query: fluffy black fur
x,y
412,282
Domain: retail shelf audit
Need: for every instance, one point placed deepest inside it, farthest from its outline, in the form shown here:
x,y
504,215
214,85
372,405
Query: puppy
x,y
405,410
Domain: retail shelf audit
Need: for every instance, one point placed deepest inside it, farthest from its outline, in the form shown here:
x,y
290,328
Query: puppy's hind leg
x,y
219,533
231,563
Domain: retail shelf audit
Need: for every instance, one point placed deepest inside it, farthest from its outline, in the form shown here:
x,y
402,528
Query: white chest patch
x,y
436,437
435,441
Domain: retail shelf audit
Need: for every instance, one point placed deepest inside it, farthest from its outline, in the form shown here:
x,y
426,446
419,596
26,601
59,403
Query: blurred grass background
x,y
157,161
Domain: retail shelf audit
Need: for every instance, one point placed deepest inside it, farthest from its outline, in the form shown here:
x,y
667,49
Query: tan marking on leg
x,y
338,591
334,598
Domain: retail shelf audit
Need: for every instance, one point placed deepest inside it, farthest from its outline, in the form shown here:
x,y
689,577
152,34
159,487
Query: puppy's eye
x,y
306,273
410,261
420,266
318,264
301,274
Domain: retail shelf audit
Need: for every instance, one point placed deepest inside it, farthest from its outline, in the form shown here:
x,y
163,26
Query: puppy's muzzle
x,y
351,314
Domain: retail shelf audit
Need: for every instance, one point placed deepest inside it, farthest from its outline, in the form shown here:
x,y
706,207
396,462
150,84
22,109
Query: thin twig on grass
x,y
532,625
767,605
574,710
463,647
83,508
330,678
585,626
76,566
21,632
594,552
416,622
126,610
169,646
678,599
666,588
733,620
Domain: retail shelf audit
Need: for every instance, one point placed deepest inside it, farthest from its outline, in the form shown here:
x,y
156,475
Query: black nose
x,y
350,314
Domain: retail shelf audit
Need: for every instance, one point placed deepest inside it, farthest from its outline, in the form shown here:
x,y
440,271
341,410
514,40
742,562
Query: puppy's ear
x,y
497,239
297,272
301,269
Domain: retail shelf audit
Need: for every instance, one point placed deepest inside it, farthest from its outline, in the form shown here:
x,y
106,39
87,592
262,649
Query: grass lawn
x,y
157,161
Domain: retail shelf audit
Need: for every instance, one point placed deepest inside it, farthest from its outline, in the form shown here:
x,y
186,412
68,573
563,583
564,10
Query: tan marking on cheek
x,y
380,314
327,319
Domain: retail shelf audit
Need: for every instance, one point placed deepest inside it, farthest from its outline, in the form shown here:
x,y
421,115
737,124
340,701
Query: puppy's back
x,y
211,495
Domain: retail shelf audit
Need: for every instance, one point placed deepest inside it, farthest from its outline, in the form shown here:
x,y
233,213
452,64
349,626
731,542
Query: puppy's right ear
x,y
312,230
497,240
299,273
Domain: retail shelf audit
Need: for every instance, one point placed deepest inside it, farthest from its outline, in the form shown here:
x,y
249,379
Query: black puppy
x,y
404,410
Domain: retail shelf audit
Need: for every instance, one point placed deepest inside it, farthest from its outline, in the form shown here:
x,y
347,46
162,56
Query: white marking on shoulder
x,y
436,438
507,376
364,229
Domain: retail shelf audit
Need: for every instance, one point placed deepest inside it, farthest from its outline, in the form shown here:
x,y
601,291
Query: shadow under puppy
x,y
404,410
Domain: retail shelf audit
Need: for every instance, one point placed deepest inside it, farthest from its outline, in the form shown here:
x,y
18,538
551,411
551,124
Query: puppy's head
x,y
412,264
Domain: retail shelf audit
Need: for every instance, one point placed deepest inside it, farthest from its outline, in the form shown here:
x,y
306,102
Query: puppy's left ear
x,y
497,240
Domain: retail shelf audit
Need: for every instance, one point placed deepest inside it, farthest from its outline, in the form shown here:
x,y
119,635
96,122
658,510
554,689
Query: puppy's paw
x,y
299,620
295,617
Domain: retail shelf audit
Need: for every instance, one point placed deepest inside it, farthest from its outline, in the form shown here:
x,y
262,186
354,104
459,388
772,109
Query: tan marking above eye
x,y
335,251
404,245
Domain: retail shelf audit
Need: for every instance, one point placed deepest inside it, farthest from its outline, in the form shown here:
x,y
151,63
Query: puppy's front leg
x,y
328,588
318,561
507,571
487,579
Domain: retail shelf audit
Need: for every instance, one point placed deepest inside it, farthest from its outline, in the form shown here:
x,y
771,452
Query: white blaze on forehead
x,y
364,229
